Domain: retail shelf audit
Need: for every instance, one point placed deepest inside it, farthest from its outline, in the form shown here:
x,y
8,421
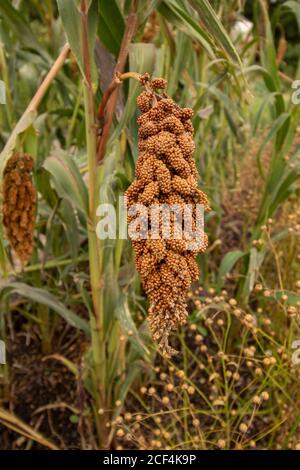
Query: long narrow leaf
x,y
43,297
215,27
68,180
175,13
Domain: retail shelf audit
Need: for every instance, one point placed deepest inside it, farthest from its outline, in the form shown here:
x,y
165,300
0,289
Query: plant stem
x,y
95,259
113,85
91,142
112,96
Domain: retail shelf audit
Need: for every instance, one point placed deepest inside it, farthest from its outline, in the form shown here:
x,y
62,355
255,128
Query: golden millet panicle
x,y
19,205
166,173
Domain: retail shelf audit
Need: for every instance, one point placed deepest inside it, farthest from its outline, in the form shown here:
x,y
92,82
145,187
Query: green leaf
x,y
180,17
292,299
227,263
125,318
268,57
43,297
294,7
111,25
70,223
215,27
272,86
283,190
268,99
69,11
276,127
183,53
20,27
255,260
2,92
267,46
68,180
3,255
31,142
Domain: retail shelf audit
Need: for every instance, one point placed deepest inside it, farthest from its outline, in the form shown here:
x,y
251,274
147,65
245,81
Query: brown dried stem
x,y
34,103
108,104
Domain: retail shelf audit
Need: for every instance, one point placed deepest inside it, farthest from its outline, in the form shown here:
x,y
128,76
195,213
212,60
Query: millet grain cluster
x,y
19,205
166,174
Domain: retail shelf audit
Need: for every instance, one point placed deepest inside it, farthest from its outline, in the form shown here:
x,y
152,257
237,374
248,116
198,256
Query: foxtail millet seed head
x,y
19,205
166,174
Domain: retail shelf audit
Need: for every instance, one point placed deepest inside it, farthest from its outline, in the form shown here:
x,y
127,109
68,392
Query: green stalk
x,y
101,360
95,258
95,261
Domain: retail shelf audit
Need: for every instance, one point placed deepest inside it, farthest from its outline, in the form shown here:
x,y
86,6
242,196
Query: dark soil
x,y
42,392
